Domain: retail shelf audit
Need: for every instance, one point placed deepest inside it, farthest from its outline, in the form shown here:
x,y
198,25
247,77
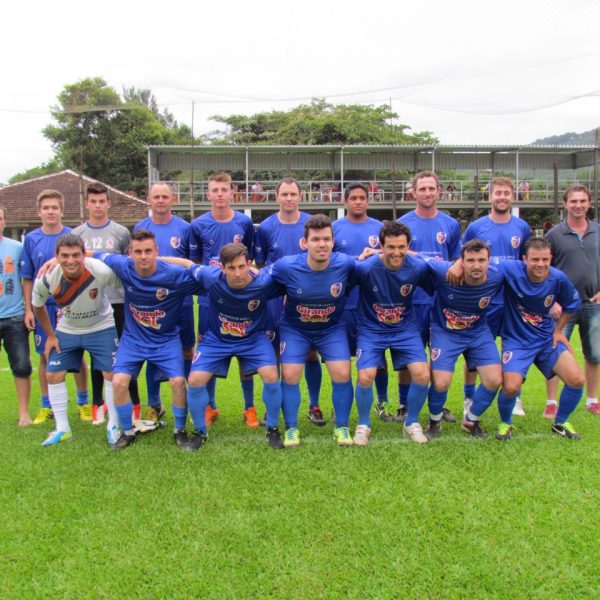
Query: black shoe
x,y
474,428
448,416
565,430
123,441
434,428
181,438
274,438
383,410
198,438
315,416
401,414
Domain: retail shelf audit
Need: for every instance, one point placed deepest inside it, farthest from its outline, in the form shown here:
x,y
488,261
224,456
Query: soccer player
x,y
436,235
78,286
39,247
353,235
458,326
154,297
100,233
530,337
576,252
387,284
237,321
13,331
505,236
316,284
277,236
209,233
172,236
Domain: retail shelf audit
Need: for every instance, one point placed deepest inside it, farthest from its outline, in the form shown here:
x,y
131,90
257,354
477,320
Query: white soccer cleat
x,y
415,433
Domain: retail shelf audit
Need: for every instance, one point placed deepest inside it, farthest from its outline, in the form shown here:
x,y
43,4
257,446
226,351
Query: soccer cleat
x,y
504,432
315,416
274,438
152,414
593,407
56,437
401,413
291,438
44,414
474,428
550,411
518,409
414,433
197,440
362,435
181,438
123,441
137,412
434,428
85,412
98,412
211,415
342,436
448,416
113,434
250,418
565,430
384,412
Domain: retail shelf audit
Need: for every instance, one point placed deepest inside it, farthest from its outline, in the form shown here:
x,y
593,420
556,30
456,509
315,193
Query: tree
x,y
44,169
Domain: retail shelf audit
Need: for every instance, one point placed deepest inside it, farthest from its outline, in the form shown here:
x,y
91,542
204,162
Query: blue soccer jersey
x,y
275,239
505,240
315,299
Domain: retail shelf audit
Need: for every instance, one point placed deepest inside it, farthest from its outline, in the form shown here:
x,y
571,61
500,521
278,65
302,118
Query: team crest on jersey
x,y
373,241
110,244
435,353
38,340
161,293
270,335
483,302
281,348
406,289
336,289
253,304
506,356
515,241
237,238
175,241
93,293
549,300
441,237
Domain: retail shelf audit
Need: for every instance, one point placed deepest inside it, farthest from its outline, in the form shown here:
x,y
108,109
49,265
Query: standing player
x,y
209,233
100,233
387,285
277,236
316,284
172,236
39,247
352,235
505,236
436,235
530,337
78,286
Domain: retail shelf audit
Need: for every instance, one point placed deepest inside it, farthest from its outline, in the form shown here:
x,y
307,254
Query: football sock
x,y
417,394
97,384
481,401
59,399
271,396
180,414
364,402
134,393
381,385
403,393
113,417
211,388
45,401
248,392
505,407
290,403
82,398
187,367
125,412
197,399
341,396
153,386
469,390
589,401
313,373
569,399
436,402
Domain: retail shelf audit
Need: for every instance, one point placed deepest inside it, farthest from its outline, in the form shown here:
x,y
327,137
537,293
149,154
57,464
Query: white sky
x,y
471,72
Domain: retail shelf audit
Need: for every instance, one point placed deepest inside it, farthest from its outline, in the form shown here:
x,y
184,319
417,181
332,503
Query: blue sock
x,y
364,402
313,373
248,392
403,393
45,402
197,398
381,385
569,399
271,396
211,388
436,401
290,403
341,397
187,367
152,386
82,398
469,390
125,416
180,414
505,407
417,394
481,401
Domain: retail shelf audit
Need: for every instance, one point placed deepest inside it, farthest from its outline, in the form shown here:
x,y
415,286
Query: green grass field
x,y
455,518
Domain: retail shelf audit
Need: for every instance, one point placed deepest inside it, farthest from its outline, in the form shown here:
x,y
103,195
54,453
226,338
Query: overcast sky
x,y
470,72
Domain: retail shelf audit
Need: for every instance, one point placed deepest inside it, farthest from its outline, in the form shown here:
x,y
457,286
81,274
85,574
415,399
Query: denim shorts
x,y
588,319
15,336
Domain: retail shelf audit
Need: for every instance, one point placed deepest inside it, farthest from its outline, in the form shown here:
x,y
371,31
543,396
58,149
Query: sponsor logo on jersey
x,y
213,262
373,241
515,241
147,318
406,289
336,289
358,353
435,353
38,340
197,355
234,328
483,302
175,241
315,315
549,300
253,304
270,335
530,318
161,293
93,293
441,237
506,356
389,316
454,321
281,348
238,239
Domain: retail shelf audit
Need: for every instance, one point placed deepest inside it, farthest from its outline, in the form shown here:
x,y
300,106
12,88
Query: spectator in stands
x,y
524,190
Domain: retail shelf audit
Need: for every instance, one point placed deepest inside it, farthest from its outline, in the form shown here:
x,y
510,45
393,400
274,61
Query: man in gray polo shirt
x,y
576,251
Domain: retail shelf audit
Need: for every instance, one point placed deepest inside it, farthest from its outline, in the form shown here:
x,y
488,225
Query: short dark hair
x,y
141,235
70,240
317,222
289,181
96,188
355,186
474,245
577,187
231,251
423,175
537,243
393,229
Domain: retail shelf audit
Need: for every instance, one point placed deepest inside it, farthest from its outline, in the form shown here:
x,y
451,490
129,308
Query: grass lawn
x,y
455,518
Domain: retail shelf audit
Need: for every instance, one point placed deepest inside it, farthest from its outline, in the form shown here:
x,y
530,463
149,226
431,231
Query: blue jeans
x,y
588,319
16,343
